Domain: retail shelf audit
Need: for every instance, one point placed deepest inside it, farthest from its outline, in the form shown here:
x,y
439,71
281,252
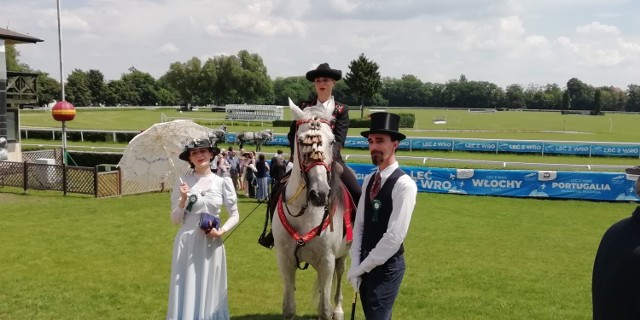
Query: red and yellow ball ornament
x,y
63,111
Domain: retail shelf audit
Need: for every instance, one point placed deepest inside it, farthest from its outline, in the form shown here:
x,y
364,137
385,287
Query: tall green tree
x,y
119,92
363,79
296,88
49,89
192,81
515,97
256,86
144,85
12,60
597,102
553,96
581,94
633,98
96,85
227,91
77,88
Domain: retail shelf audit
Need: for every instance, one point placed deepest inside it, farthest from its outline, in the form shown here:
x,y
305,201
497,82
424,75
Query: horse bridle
x,y
316,158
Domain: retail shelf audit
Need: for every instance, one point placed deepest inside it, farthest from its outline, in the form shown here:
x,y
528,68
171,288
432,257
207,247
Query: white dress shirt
x,y
329,105
404,200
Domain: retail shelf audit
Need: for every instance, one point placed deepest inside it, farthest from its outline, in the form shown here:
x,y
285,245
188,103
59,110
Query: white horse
x,y
311,215
218,135
258,137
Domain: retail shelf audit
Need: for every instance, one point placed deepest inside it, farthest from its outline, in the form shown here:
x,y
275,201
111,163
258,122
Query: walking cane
x,y
353,304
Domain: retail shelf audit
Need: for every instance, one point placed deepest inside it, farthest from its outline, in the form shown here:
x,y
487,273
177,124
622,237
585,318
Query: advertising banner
x,y
601,186
496,146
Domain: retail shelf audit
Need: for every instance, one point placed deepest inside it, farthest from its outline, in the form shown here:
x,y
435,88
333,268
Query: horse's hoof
x,y
338,316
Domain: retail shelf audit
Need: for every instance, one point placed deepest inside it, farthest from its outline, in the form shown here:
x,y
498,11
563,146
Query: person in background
x,y
324,79
615,285
224,167
262,176
289,163
382,221
198,285
277,169
250,174
234,170
242,178
278,155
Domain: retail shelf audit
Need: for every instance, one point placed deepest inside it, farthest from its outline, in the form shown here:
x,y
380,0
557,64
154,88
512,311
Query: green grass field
x,y
460,123
519,125
78,257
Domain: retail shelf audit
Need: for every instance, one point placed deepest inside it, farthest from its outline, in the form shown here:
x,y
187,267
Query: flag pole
x,y
64,132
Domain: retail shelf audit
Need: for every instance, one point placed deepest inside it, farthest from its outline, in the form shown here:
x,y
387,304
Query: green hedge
x,y
407,120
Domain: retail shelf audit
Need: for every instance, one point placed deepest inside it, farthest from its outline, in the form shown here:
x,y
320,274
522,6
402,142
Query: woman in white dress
x,y
198,287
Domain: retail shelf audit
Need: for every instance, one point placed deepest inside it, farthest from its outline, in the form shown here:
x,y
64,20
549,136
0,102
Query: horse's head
x,y
313,152
216,135
267,134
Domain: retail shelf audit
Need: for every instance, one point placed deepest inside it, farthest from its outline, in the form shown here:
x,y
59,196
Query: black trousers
x,y
379,288
349,180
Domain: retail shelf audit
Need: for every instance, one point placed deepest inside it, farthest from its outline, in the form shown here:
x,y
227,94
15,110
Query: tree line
x,y
243,78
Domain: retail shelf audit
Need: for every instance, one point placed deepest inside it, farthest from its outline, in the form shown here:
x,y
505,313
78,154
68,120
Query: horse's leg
x,y
241,143
338,313
258,145
288,272
325,277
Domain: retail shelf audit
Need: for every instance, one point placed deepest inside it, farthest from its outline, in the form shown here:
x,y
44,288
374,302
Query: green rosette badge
x,y
376,207
192,199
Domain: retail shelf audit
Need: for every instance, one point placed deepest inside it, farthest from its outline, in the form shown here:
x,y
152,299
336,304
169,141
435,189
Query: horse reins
x,y
245,218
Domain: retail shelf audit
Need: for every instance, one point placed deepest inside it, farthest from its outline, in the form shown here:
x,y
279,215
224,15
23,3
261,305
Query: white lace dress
x,y
198,288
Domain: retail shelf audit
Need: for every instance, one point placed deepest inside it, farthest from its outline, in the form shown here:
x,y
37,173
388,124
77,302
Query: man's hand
x,y
355,282
354,277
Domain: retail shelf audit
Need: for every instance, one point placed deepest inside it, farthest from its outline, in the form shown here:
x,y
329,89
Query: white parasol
x,y
150,162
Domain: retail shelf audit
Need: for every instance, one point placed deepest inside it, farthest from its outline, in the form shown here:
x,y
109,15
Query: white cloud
x,y
502,41
597,28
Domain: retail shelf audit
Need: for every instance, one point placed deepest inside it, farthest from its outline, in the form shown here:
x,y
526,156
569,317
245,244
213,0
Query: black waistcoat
x,y
373,231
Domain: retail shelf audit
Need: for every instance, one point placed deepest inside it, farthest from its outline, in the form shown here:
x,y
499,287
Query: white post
x,y
64,143
60,55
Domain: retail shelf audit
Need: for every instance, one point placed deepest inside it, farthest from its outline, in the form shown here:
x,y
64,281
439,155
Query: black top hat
x,y
634,170
196,144
387,123
324,70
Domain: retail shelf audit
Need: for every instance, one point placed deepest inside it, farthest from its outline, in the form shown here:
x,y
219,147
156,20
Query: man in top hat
x,y
615,287
382,221
324,79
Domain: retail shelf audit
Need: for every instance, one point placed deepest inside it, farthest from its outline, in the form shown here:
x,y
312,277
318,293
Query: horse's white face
x,y
313,153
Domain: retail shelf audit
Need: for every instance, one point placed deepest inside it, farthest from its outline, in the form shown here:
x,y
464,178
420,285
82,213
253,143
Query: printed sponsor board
x,y
601,186
511,146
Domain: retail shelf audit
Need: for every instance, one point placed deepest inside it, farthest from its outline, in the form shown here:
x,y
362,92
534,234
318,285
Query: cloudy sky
x,y
501,41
